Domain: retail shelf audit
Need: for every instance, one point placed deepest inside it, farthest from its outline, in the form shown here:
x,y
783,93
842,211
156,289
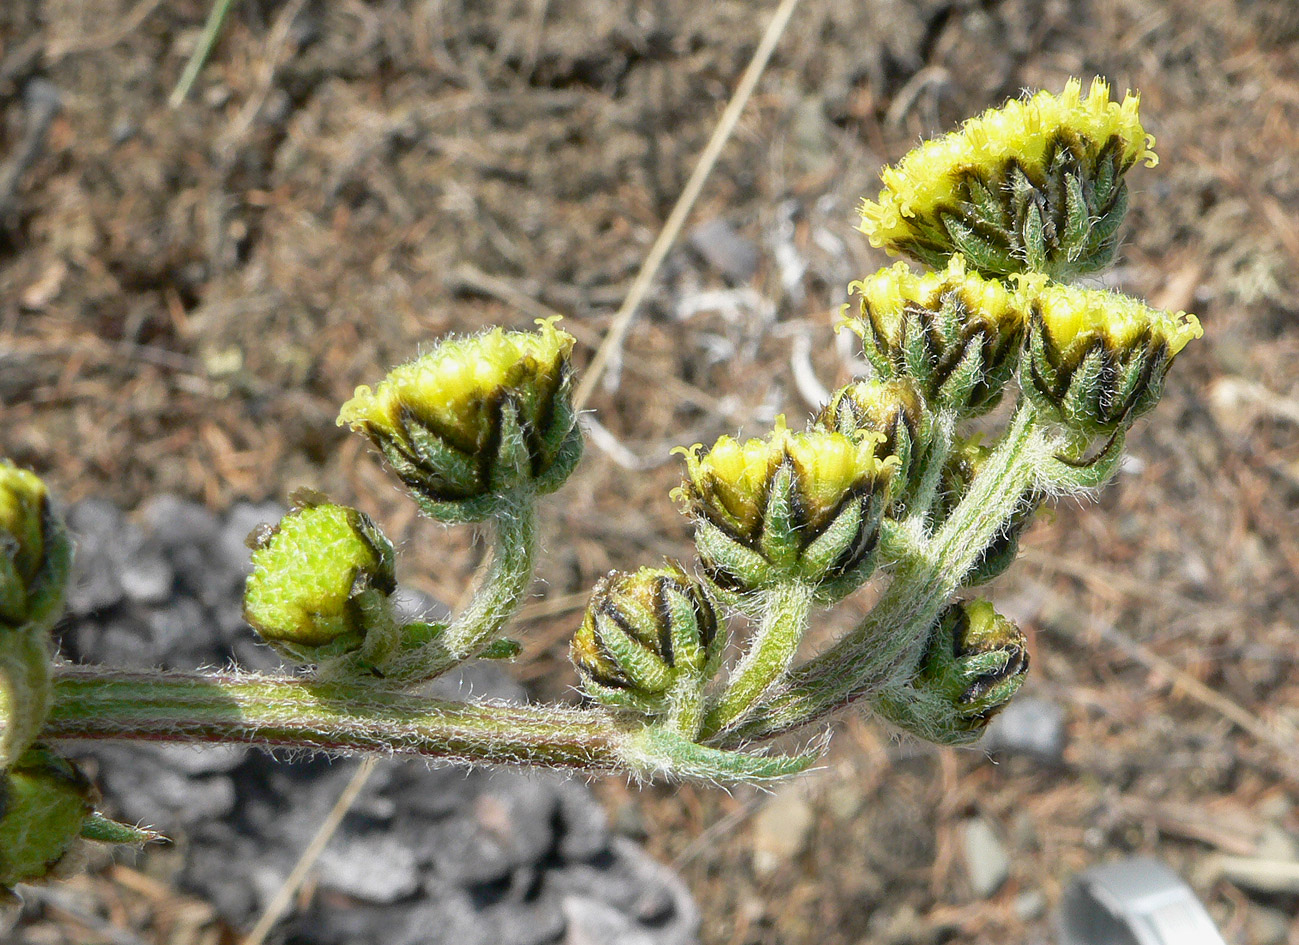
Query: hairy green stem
x,y
785,611
334,717
891,640
935,458
495,601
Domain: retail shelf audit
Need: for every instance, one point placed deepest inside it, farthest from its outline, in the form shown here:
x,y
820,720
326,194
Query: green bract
x,y
648,642
475,418
975,663
319,580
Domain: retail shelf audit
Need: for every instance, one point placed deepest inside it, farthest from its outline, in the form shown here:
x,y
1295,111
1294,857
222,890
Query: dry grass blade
x,y
686,202
284,895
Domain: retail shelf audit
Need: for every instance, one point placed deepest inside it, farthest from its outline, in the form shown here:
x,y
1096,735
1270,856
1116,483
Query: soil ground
x,y
186,295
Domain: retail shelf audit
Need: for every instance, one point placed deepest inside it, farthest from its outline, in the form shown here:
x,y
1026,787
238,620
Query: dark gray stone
x,y
145,577
95,525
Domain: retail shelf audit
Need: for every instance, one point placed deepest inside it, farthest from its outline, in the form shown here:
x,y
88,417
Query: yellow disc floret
x,y
1037,184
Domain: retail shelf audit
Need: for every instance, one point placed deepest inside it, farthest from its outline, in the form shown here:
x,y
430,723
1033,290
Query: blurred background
x,y
187,294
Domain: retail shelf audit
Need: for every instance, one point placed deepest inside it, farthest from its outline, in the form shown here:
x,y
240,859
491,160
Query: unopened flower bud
x,y
955,333
1096,360
475,418
35,554
1037,184
791,507
320,582
646,637
44,803
895,411
975,663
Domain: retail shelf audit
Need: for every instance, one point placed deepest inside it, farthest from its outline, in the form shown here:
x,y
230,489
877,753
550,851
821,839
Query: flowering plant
x,y
882,485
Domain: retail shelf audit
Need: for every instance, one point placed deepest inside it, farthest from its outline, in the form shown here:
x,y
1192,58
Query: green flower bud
x,y
792,507
894,410
1096,360
44,803
320,583
474,418
35,553
1036,184
975,663
648,639
956,334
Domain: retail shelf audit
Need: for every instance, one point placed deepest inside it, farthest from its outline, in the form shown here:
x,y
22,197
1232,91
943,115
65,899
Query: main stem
x,y
892,638
334,717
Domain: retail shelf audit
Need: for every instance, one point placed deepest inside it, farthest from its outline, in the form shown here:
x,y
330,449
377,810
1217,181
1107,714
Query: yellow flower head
x,y
1075,320
456,387
476,419
1097,360
925,326
968,191
730,483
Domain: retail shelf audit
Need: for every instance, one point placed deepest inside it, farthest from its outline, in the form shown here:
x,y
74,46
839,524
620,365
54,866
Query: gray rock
x,y
375,867
1029,726
146,578
195,759
584,826
96,525
145,790
469,856
664,902
181,635
986,860
592,922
